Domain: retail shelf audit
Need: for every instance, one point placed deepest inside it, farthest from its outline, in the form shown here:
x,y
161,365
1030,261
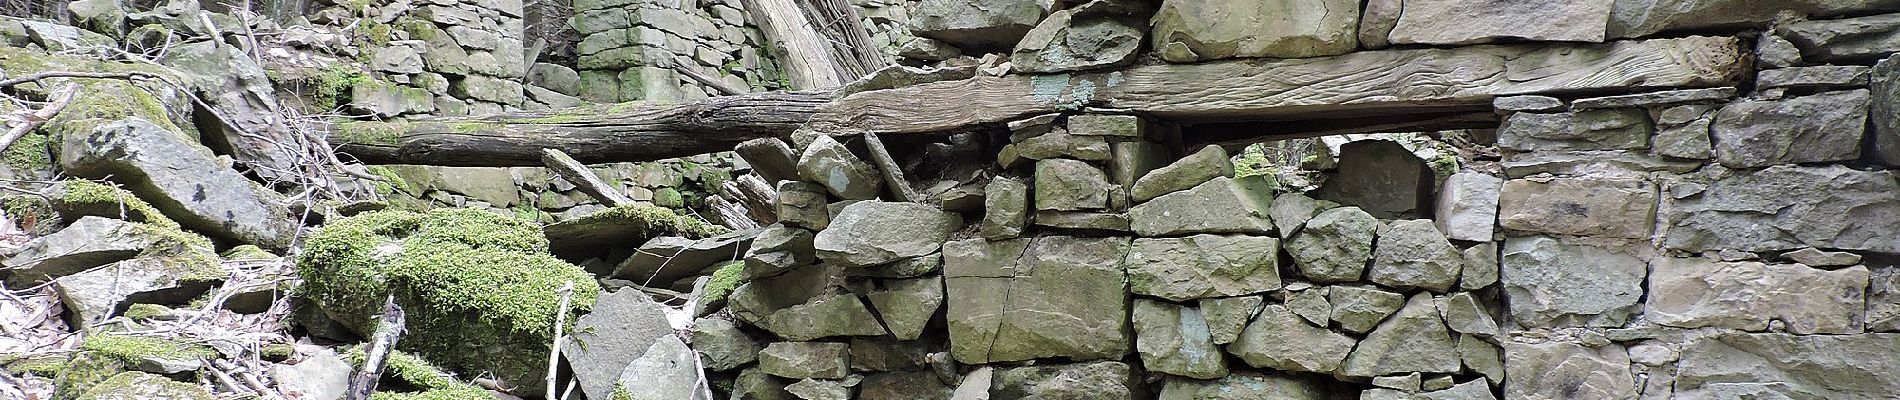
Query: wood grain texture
x,y
1357,84
607,133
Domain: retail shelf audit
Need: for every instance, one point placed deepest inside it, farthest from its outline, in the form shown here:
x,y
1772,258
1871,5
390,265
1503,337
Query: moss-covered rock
x,y
144,386
32,213
95,372
248,252
478,288
78,198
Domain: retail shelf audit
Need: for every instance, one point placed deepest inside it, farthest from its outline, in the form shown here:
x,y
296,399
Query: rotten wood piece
x,y
376,353
583,178
636,131
1367,83
800,48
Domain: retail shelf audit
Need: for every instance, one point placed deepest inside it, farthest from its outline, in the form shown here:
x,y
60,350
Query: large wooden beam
x,y
1368,83
595,134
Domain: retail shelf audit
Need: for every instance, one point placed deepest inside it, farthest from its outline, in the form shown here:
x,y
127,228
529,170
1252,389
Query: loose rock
x,y
1335,245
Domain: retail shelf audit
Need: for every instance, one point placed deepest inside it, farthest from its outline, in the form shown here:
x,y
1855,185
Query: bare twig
x,y
28,121
377,353
35,77
560,322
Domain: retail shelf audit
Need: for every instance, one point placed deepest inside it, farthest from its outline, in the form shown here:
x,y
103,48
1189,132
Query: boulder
x,y
94,241
665,370
1696,292
1335,245
722,346
771,158
1221,205
1096,34
1245,386
1454,22
1203,266
1382,178
1806,129
102,16
1174,340
1621,208
1359,309
229,82
1775,365
1106,380
1005,208
383,99
906,268
1561,370
1022,299
1413,254
1593,129
869,233
1204,165
907,305
183,180
94,295
1199,30
977,26
802,304
621,328
1787,207
1070,185
666,259
1280,340
555,77
843,174
1552,283
802,204
1227,316
1467,206
800,360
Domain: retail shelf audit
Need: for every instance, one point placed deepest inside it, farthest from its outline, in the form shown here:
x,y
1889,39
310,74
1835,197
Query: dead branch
x,y
377,352
560,322
584,179
28,121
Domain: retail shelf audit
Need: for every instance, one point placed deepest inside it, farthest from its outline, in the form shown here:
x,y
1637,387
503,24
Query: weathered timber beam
x,y
1368,83
594,134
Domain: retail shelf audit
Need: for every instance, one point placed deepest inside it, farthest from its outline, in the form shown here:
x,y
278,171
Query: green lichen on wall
x,y
144,311
84,370
330,87
42,366
85,197
1252,161
368,132
478,288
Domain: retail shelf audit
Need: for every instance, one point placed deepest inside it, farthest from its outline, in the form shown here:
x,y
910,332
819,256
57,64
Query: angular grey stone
x,y
1467,206
1442,22
95,294
396,59
1559,370
1133,159
843,174
1096,34
1245,386
1227,316
486,88
552,99
1481,266
664,370
1683,132
1572,163
1083,220
1174,340
1005,208
322,375
1663,98
975,385
906,268
1787,207
927,49
1221,205
1290,211
1359,309
1697,292
1844,40
1408,383
1526,103
1883,300
1816,258
1772,365
1412,254
771,158
1051,145
803,304
671,258
1817,128
555,77
722,346
1465,315
134,385
755,384
621,328
902,385
1335,245
870,233
1070,185
977,26
779,237
1382,178
1596,129
1203,266
1637,18
1551,283
885,353
1128,126
1622,208
1884,110
816,389
1280,340
1051,296
800,360
1204,165
1198,30
1482,357
1312,304
908,304
91,242
182,179
1825,76
1106,380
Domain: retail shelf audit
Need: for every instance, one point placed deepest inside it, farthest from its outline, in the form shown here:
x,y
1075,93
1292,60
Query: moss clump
x,y
331,86
620,393
130,349
659,221
83,197
277,352
409,370
33,213
552,119
30,153
248,252
39,366
134,384
1252,161
368,132
458,393
1444,165
726,278
479,288
144,311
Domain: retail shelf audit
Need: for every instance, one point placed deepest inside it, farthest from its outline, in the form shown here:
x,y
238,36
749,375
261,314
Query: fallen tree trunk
x,y
597,134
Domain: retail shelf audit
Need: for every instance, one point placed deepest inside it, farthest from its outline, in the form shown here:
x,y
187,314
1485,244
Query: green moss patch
x,y
460,393
478,288
248,252
83,197
726,278
31,152
130,349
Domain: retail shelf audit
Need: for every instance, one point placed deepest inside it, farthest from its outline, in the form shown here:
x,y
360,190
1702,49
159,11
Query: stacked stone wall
x,y
631,50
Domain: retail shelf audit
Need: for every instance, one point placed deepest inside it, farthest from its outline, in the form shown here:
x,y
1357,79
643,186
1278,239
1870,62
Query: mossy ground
x,y
129,349
479,288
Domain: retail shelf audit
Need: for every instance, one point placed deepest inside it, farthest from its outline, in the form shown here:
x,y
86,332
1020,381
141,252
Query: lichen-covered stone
x,y
1280,340
1593,129
800,360
1227,316
1292,210
1551,282
1465,315
1204,165
1412,340
1817,128
143,386
869,233
977,26
1381,177
722,346
1056,143
1203,266
95,294
1174,340
619,330
1555,370
1413,254
1335,245
843,174
666,259
1051,296
1467,206
1696,292
1106,380
1452,22
1198,30
1776,365
1622,208
1005,208
180,178
1070,185
666,369
1099,33
1359,309
1221,205
908,304
1244,386
1482,357
95,241
1787,207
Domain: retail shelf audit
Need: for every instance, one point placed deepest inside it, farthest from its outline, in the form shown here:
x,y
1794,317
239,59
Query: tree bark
x,y
601,134
376,352
801,49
